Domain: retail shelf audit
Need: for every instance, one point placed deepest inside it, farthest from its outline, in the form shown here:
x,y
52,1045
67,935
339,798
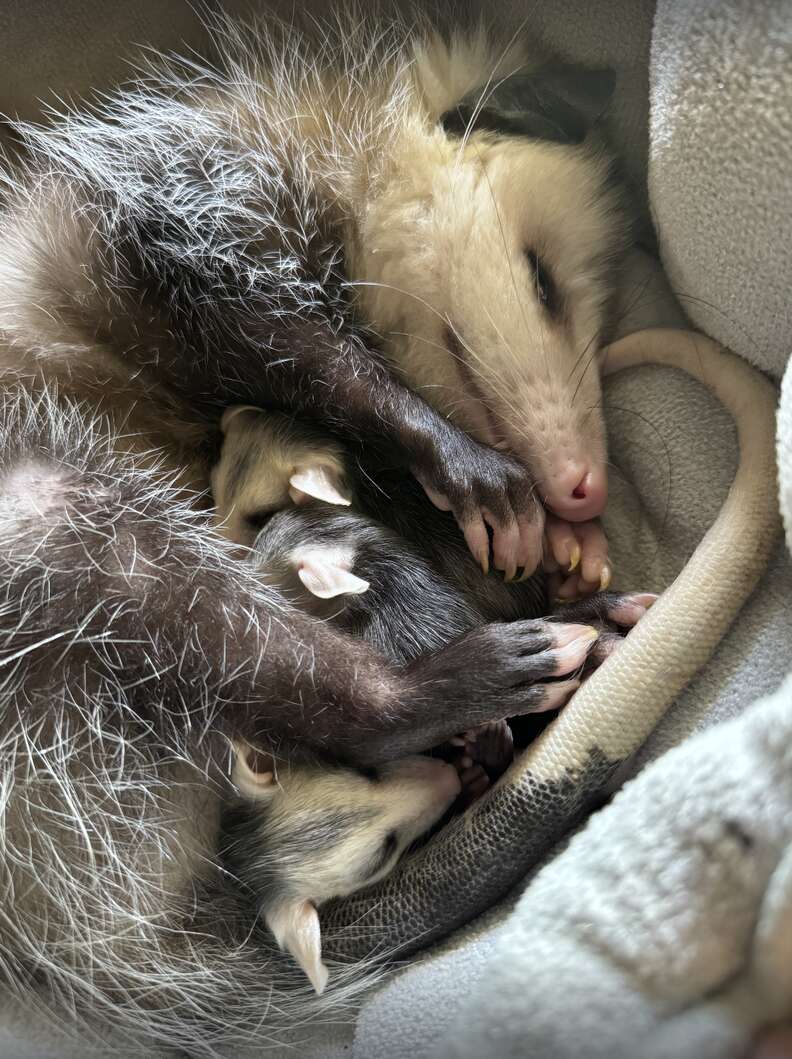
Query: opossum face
x,y
315,833
489,261
269,462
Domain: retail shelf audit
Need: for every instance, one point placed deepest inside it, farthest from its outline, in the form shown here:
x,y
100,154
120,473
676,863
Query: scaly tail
x,y
476,859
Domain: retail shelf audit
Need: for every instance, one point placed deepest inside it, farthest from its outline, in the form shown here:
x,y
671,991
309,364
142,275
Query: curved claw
x,y
529,553
562,544
580,550
594,566
505,545
477,539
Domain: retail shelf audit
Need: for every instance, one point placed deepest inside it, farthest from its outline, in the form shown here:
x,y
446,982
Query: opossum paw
x,y
576,557
503,670
607,608
490,494
490,745
613,613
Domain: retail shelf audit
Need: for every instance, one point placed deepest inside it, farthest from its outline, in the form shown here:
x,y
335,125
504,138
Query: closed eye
x,y
546,290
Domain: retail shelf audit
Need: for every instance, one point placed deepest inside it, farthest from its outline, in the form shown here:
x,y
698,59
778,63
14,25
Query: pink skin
x,y
574,494
577,492
576,557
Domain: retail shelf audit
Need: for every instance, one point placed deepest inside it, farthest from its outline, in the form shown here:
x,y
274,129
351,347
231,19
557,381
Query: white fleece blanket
x,y
664,929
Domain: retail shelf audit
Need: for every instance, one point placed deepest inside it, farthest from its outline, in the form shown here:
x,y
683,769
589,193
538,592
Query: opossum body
x,y
183,249
302,835
404,597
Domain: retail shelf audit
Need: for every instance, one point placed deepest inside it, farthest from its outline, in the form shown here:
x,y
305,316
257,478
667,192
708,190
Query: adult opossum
x,y
187,246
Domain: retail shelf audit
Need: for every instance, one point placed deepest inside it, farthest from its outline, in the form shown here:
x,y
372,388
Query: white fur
x,y
348,815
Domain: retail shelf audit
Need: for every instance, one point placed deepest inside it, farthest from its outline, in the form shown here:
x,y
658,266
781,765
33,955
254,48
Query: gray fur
x,y
413,605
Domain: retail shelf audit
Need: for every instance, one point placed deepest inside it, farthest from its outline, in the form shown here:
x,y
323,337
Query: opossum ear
x,y
324,573
296,929
559,103
321,481
254,772
233,412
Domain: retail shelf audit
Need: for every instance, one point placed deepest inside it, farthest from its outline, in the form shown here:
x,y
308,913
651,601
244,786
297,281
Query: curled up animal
x,y
319,224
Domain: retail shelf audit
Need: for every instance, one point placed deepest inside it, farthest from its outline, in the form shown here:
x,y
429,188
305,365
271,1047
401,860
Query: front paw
x,y
613,614
505,669
486,491
576,558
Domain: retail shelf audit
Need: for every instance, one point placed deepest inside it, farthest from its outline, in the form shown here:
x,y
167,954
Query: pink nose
x,y
577,492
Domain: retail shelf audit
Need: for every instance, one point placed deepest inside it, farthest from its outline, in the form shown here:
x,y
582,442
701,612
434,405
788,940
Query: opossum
x,y
300,835
358,544
212,235
355,541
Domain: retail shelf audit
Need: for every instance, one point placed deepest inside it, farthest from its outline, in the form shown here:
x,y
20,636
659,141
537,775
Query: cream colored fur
x,y
436,229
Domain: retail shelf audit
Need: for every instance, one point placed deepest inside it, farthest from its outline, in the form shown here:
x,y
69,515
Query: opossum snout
x,y
577,491
438,779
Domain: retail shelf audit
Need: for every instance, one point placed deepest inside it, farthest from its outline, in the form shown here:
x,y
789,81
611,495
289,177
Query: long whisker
x,y
590,361
669,465
500,335
489,382
446,322
399,290
585,350
506,252
681,296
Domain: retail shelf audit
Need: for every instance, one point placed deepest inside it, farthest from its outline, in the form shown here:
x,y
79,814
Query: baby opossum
x,y
279,484
301,835
324,523
240,233
385,565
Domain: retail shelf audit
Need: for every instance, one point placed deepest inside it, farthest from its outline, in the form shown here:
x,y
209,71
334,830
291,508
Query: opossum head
x,y
269,462
486,259
307,834
310,554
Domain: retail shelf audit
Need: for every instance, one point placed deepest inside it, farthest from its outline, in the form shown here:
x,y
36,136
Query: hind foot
x,y
483,754
490,745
